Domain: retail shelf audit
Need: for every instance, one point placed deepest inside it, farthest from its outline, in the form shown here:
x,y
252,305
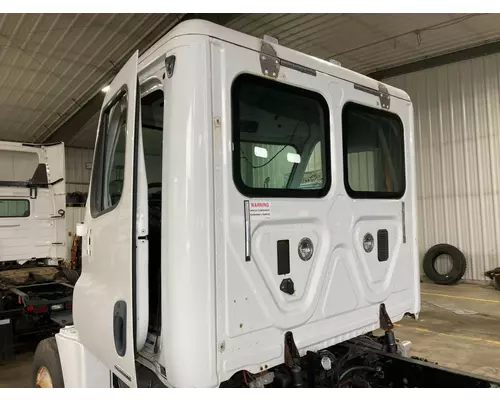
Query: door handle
x,y
120,327
89,242
248,231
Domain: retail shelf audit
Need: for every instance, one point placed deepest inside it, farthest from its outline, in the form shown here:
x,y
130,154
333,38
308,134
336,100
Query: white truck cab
x,y
32,202
249,205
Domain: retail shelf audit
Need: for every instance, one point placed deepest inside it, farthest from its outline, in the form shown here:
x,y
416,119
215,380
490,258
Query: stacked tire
x,y
457,271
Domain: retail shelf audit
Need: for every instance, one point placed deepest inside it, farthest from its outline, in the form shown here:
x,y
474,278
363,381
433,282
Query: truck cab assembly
x,y
251,221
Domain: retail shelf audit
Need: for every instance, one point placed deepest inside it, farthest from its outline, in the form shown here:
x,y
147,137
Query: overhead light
x,y
105,89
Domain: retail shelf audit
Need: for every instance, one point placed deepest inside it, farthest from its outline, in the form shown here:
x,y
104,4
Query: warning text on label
x,y
260,210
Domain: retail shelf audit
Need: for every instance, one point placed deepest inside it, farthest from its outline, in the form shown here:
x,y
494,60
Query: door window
x,y
108,172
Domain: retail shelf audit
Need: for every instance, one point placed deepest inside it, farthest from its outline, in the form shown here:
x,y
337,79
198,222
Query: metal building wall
x,y
457,127
77,180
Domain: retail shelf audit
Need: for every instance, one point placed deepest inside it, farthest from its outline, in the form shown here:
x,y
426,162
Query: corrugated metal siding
x,y
361,170
457,126
17,165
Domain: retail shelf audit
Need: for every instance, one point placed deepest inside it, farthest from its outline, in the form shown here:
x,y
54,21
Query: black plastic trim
x,y
283,250
120,327
134,213
382,245
96,180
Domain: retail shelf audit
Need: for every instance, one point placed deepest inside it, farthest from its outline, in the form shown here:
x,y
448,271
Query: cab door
x,y
105,303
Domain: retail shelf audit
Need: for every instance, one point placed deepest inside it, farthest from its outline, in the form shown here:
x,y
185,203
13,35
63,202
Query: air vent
x,y
383,245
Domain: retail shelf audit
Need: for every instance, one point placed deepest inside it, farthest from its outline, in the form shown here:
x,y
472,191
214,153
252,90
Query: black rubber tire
x,y
71,275
457,271
47,355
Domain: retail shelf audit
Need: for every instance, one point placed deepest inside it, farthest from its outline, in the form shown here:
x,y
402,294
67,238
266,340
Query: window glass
x,y
152,137
108,174
280,139
374,163
14,208
313,176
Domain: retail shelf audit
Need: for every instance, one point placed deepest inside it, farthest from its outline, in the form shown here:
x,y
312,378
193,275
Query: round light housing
x,y
306,249
368,242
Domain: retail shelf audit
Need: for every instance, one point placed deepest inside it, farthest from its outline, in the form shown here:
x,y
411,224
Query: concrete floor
x,y
459,328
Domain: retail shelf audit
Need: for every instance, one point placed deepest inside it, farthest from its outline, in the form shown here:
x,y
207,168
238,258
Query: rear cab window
x,y
281,139
373,147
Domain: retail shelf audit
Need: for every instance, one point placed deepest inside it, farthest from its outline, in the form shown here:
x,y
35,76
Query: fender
x,y
81,369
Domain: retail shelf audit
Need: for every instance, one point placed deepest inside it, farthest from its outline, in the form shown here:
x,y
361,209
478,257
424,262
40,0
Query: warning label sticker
x,y
260,210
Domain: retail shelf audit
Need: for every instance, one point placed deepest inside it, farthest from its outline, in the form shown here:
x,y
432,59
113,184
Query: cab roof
x,y
206,28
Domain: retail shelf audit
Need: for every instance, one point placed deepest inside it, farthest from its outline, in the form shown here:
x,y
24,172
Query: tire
x,y
71,275
496,282
47,357
457,271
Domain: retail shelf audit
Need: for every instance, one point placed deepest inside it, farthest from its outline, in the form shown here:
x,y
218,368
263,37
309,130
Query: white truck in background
x,y
35,287
263,226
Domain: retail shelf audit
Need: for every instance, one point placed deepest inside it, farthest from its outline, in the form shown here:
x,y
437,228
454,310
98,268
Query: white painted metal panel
x,y
457,133
338,291
107,276
31,224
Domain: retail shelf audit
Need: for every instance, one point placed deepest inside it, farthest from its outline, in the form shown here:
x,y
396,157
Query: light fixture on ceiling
x,y
105,89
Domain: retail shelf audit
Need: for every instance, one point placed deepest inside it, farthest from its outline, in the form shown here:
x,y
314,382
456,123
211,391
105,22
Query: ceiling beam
x,y
69,129
437,61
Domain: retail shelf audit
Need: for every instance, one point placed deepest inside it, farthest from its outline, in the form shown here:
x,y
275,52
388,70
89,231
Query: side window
x,y
108,173
373,141
14,208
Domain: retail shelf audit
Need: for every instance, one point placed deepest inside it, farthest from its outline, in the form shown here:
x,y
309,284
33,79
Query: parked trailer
x,y
251,220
